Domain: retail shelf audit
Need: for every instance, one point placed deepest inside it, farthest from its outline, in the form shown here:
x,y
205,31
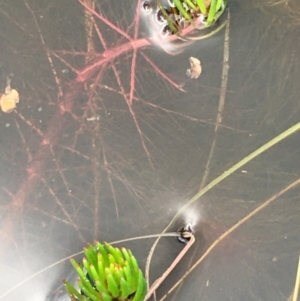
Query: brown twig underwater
x,y
160,280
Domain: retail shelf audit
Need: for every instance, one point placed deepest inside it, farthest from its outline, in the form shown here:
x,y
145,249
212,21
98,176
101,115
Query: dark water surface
x,y
78,163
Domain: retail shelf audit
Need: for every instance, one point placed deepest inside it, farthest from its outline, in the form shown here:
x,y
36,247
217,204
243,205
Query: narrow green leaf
x,y
101,287
125,289
72,291
129,277
91,255
92,294
212,12
111,250
86,265
94,273
111,259
78,269
101,272
219,5
112,285
191,4
202,6
184,13
102,250
134,262
106,297
141,288
170,22
83,278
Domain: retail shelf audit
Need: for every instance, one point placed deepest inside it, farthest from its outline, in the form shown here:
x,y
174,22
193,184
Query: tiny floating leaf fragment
x,y
9,99
196,69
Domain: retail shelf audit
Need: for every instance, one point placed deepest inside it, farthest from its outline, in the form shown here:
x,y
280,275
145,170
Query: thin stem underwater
x,y
160,280
235,167
170,234
227,173
233,228
297,282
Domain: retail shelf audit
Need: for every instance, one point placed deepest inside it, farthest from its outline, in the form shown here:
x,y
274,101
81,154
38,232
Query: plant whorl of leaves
x,y
107,274
190,10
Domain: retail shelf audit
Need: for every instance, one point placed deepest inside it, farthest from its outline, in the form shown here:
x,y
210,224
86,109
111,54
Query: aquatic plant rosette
x,y
180,13
107,274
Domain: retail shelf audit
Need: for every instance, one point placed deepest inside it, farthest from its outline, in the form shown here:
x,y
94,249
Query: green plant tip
x,y
107,274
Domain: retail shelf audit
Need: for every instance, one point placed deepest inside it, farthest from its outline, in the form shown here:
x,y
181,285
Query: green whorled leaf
x,y
119,254
106,297
130,277
202,6
115,252
90,293
112,285
141,288
101,267
94,273
103,251
101,288
184,13
124,289
219,4
220,11
134,262
91,254
212,12
121,262
117,274
126,254
82,276
111,259
190,4
86,265
80,272
133,268
111,268
110,249
72,292
170,22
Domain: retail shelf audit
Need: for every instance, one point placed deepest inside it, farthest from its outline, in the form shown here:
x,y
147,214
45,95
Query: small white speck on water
x,y
7,125
40,109
207,283
244,171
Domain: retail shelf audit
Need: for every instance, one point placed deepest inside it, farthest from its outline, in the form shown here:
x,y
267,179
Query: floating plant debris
x,y
185,233
196,69
9,99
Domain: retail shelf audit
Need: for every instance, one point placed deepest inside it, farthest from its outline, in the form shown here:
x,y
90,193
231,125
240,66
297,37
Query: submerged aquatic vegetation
x,y
107,274
179,14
